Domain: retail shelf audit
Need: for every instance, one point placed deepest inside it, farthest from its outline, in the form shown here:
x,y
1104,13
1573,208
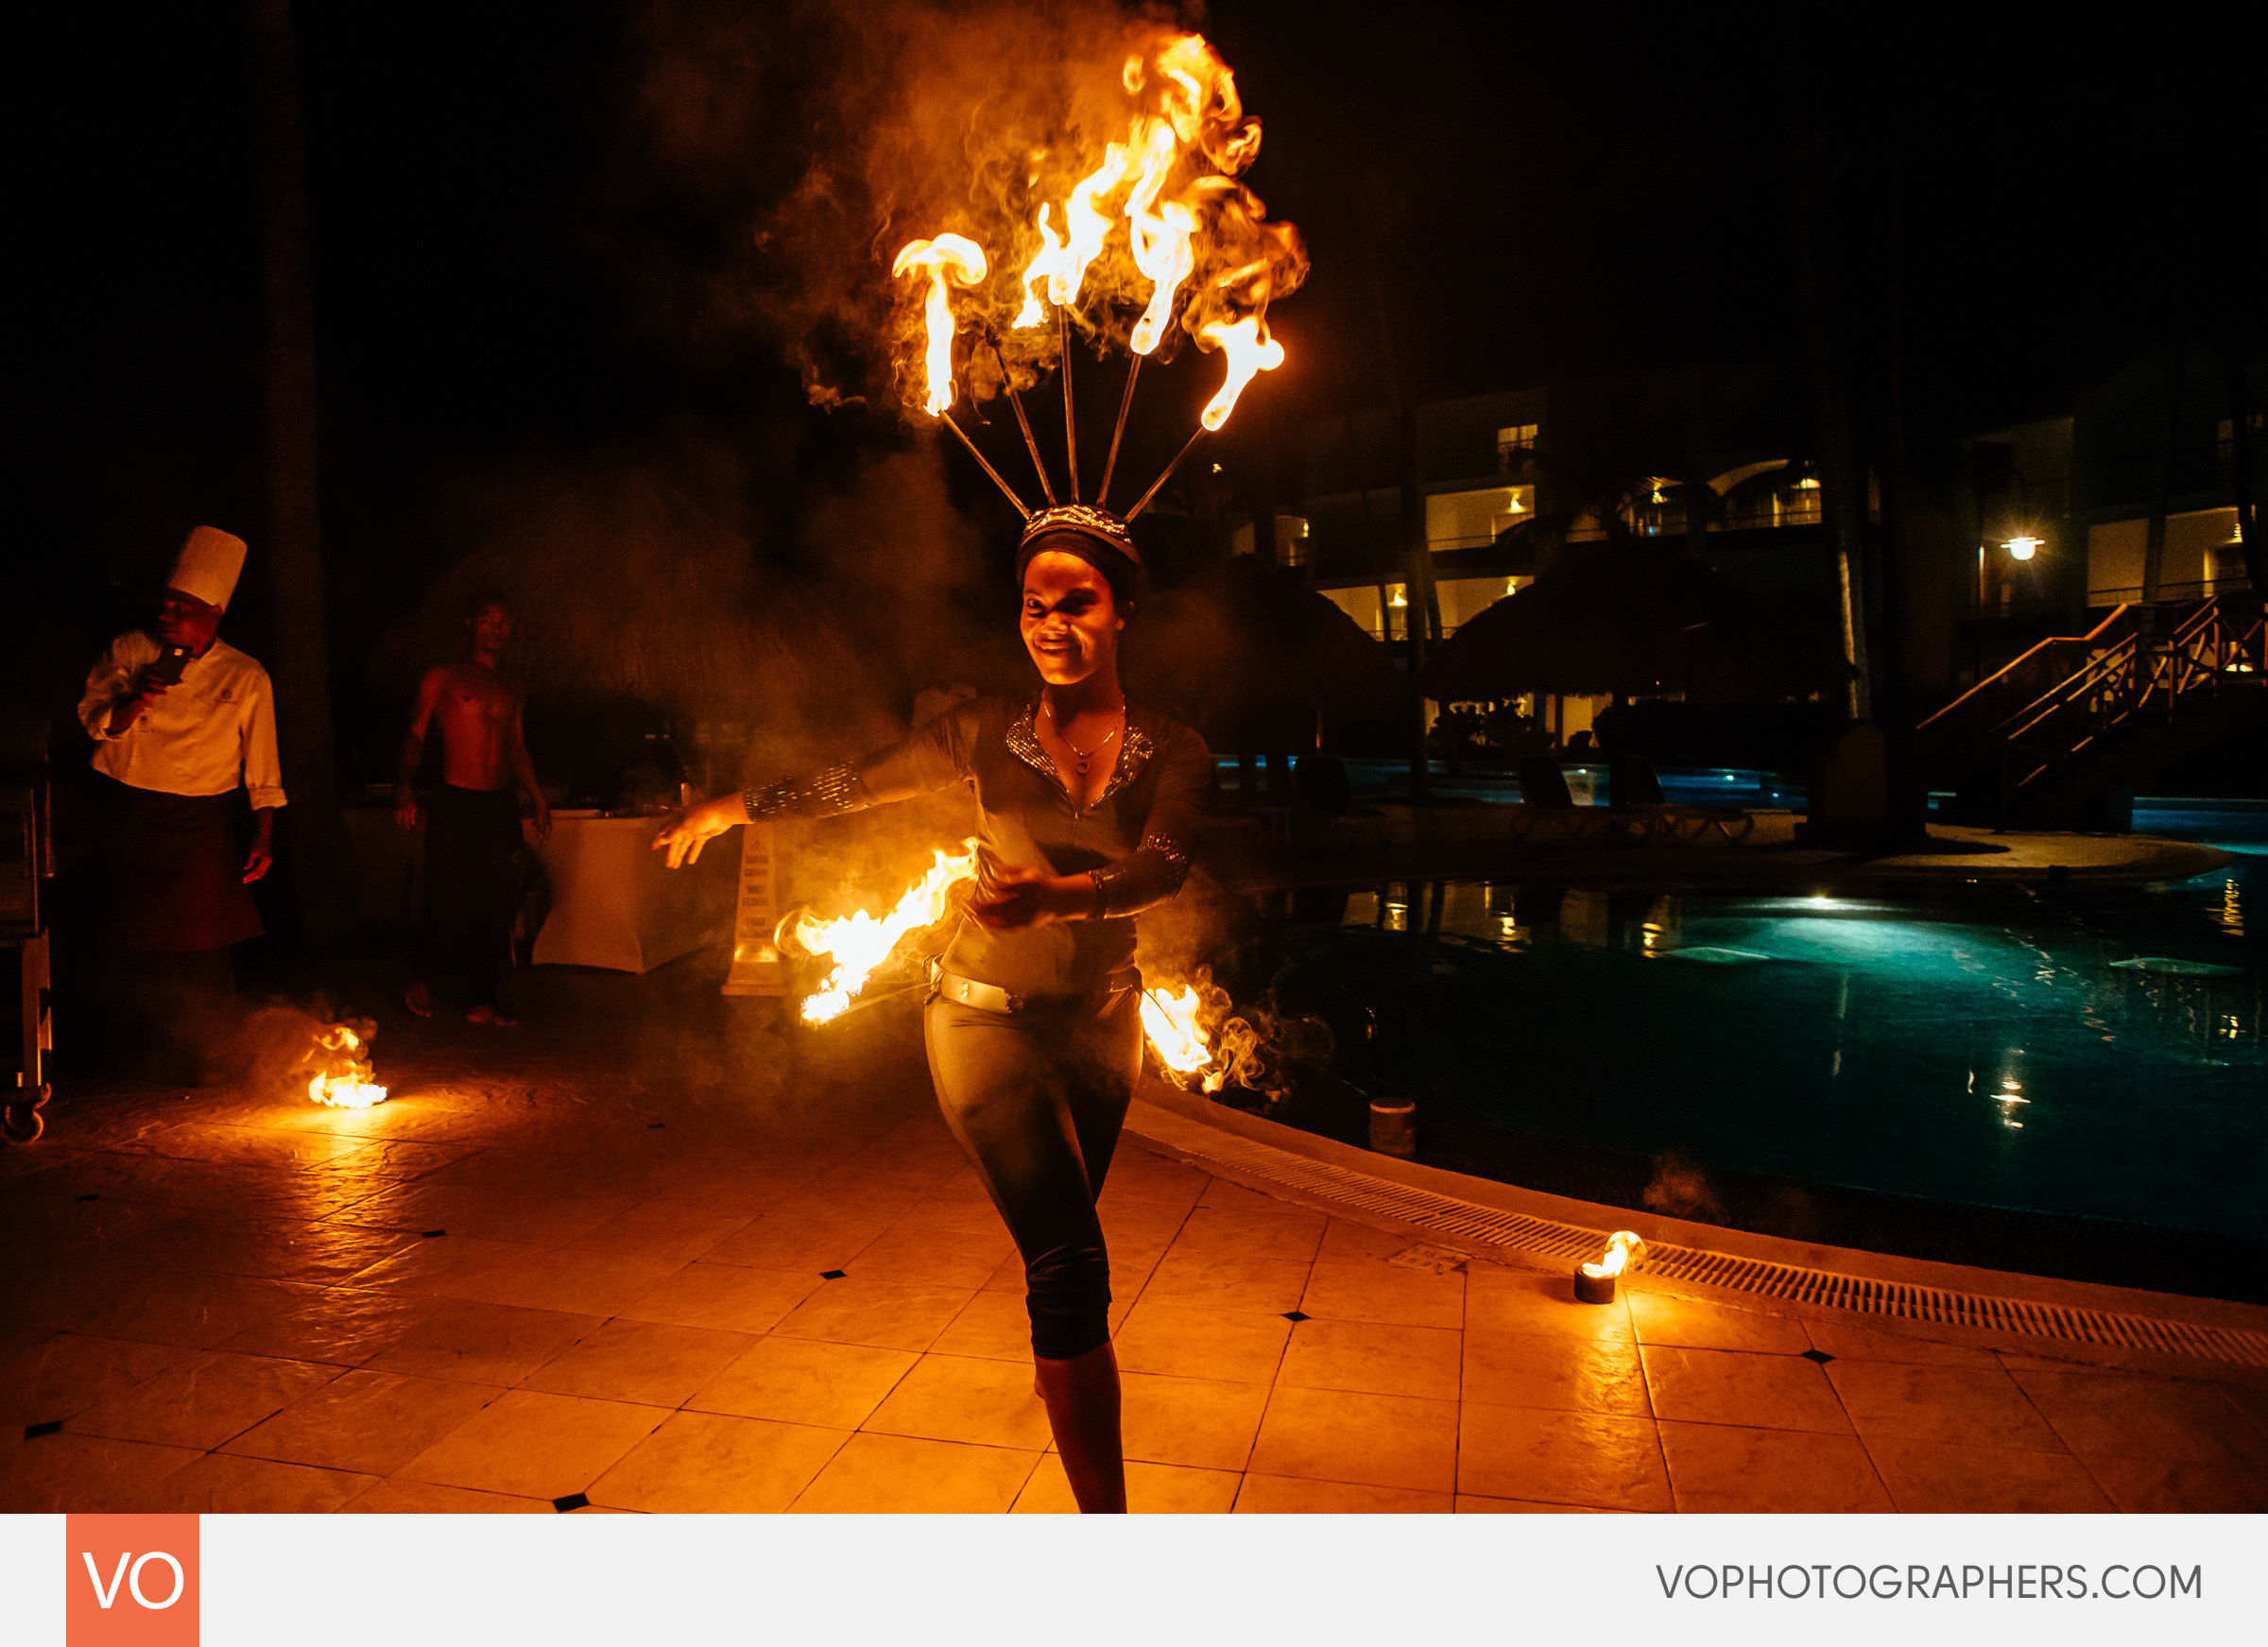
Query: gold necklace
x,y
1084,755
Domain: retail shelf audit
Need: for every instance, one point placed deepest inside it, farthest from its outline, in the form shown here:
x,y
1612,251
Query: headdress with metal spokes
x,y
1199,237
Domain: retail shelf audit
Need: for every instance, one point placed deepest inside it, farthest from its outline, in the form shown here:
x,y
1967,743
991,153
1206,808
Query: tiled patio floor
x,y
598,1263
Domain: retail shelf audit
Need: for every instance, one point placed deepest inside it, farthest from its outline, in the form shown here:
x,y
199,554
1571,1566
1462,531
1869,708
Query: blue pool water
x,y
1389,780
1989,1047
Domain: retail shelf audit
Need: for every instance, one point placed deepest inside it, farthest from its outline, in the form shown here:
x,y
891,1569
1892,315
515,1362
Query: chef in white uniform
x,y
181,721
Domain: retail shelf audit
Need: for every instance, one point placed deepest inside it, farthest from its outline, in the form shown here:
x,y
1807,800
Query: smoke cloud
x,y
1680,1188
841,133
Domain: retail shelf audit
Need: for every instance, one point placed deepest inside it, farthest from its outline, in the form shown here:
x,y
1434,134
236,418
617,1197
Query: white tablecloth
x,y
613,903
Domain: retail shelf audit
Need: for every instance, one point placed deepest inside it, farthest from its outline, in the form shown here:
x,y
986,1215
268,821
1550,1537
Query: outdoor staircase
x,y
2054,740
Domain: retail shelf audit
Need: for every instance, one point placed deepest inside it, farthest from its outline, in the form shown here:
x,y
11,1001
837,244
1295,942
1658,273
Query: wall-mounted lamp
x,y
2023,548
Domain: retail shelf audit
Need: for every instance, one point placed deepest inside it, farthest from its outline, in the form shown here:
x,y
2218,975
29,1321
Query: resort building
x,y
2020,532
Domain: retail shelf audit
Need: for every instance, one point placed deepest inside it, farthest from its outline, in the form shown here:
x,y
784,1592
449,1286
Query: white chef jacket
x,y
215,729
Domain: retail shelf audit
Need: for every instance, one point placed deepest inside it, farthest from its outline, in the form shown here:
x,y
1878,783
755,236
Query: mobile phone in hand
x,y
170,663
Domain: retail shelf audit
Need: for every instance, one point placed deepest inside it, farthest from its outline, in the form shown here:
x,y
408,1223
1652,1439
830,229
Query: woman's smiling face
x,y
1070,623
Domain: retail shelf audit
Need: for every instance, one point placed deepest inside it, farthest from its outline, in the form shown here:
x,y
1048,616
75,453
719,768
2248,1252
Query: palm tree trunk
x,y
2239,478
2161,491
1906,817
1423,612
316,833
1401,394
1841,483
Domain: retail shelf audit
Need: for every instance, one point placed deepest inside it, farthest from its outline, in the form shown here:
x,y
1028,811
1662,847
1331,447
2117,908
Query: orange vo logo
x,y
131,1581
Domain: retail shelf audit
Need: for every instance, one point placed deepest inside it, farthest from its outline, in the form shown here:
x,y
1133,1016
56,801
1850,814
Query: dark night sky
x,y
1543,189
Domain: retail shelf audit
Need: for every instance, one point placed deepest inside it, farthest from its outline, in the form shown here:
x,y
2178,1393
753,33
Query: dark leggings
x,y
475,859
1036,1099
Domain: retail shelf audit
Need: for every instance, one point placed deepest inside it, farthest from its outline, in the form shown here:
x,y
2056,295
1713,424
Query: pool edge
x,y
1162,1111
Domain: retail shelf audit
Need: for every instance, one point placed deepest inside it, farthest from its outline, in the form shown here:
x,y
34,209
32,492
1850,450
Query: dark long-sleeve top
x,y
1135,838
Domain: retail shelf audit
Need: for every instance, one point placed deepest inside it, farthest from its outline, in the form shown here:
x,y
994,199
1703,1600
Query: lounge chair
x,y
1547,812
1635,789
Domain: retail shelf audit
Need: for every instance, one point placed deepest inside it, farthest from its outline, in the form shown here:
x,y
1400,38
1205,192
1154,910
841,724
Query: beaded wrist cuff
x,y
1174,853
819,794
1133,882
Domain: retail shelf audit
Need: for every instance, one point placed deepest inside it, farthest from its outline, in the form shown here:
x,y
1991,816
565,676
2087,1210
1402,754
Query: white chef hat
x,y
207,565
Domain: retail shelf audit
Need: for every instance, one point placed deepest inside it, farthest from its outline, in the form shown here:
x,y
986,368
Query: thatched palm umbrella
x,y
1252,655
1629,617
625,589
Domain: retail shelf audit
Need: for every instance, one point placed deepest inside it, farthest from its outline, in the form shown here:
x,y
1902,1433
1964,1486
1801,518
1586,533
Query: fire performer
x,y
181,721
475,857
1032,1026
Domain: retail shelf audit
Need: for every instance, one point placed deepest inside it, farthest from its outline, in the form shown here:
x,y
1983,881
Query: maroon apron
x,y
172,870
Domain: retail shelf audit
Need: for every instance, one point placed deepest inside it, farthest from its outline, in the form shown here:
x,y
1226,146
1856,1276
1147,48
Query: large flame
x,y
963,260
1175,1035
1204,1045
858,943
1158,235
341,1069
1041,269
1195,248
1087,225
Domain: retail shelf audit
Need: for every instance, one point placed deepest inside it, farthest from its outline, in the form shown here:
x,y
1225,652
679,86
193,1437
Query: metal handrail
x,y
2224,643
1996,684
2112,665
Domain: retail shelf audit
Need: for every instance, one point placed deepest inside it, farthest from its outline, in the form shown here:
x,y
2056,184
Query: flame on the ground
x,y
859,943
1195,239
339,1063
1621,1246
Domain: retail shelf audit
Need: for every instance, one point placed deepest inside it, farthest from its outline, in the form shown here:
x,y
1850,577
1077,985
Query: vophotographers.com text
x,y
2026,1581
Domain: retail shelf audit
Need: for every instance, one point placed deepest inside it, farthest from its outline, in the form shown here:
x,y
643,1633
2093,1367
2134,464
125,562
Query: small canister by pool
x,y
1393,1127
1594,1283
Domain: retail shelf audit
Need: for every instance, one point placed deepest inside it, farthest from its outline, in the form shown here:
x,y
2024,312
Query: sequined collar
x,y
1134,752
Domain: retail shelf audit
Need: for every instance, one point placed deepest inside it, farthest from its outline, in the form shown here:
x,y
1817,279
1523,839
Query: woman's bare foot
x,y
418,1000
489,1015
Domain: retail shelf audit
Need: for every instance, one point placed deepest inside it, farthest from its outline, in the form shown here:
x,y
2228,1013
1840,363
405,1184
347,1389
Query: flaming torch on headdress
x,y
1158,223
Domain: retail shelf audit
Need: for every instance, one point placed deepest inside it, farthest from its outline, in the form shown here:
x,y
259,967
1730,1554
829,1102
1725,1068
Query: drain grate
x,y
1548,1238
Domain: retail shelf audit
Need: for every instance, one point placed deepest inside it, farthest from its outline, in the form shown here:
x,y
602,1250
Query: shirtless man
x,y
473,848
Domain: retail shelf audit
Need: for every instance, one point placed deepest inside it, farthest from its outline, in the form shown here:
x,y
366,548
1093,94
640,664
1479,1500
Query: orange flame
x,y
1041,267
1621,1246
964,261
1250,349
342,1071
1178,1038
1086,226
1196,250
1198,1041
858,943
1159,239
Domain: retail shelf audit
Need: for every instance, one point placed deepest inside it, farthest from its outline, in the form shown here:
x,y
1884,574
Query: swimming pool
x,y
1915,1074
1375,780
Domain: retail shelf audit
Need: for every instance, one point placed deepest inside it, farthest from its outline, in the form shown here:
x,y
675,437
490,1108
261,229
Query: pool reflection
x,y
1985,1047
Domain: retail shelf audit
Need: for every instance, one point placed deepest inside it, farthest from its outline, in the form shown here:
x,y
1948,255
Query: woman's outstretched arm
x,y
929,758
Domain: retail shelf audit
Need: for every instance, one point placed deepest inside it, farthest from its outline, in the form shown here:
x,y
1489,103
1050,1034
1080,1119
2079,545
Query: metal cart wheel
x,y
23,1122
